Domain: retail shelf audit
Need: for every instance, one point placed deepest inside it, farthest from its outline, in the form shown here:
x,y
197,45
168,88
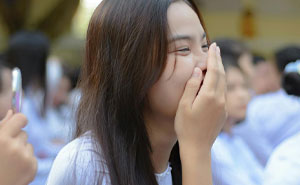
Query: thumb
x,y
192,88
7,117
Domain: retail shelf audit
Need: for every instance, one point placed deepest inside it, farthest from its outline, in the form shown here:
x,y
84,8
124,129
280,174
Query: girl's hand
x,y
17,162
201,113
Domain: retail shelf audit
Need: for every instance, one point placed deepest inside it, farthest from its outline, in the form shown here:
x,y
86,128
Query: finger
x,y
7,116
211,78
221,86
192,88
33,163
22,137
219,59
30,149
14,125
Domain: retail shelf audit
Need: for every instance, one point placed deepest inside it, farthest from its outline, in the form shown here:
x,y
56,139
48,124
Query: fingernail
x,y
196,72
213,45
218,50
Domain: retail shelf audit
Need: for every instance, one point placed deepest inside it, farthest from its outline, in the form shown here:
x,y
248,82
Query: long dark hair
x,y
126,52
291,83
290,80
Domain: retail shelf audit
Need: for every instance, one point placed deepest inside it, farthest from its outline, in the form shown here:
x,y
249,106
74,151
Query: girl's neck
x,y
162,137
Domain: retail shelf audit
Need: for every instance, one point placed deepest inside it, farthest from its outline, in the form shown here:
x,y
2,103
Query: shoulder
x,y
78,163
288,149
273,107
284,165
264,101
273,100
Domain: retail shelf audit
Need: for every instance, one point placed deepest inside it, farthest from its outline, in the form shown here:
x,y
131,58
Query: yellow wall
x,y
276,24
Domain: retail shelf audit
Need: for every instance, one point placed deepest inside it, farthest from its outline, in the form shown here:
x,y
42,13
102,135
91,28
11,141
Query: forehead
x,y
182,19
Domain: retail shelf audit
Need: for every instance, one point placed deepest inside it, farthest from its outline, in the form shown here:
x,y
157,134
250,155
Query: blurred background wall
x,y
268,24
264,25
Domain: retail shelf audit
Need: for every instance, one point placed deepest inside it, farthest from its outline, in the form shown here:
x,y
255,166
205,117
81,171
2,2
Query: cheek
x,y
237,104
178,69
166,93
248,96
230,101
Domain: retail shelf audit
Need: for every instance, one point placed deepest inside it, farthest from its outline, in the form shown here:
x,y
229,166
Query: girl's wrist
x,y
194,152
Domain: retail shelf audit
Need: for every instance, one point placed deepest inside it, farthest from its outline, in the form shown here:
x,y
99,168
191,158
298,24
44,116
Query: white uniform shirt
x,y
283,168
233,163
271,118
78,164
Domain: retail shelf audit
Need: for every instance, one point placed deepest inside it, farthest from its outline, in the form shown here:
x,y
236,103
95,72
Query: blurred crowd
x,y
49,96
258,144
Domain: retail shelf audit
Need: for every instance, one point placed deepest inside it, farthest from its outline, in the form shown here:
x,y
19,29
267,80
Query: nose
x,y
201,60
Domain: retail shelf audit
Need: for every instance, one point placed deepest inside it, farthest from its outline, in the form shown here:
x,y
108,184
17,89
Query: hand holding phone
x,y
18,163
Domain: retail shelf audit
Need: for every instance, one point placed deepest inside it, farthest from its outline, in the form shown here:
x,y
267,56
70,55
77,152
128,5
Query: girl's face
x,y
188,48
61,94
238,94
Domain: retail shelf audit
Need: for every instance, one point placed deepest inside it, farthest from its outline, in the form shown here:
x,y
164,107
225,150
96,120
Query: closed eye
x,y
205,46
184,49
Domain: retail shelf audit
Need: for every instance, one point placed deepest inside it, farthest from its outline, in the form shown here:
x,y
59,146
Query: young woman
x,y
141,93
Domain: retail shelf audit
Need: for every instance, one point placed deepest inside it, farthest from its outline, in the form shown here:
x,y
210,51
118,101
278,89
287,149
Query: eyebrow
x,y
184,37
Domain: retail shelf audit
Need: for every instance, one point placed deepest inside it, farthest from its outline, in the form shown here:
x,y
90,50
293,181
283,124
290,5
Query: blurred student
x,y
62,107
265,78
233,161
272,117
243,54
284,164
29,52
17,162
66,84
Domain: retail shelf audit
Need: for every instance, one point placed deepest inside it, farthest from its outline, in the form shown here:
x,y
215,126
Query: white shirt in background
x,y
233,163
283,168
271,118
